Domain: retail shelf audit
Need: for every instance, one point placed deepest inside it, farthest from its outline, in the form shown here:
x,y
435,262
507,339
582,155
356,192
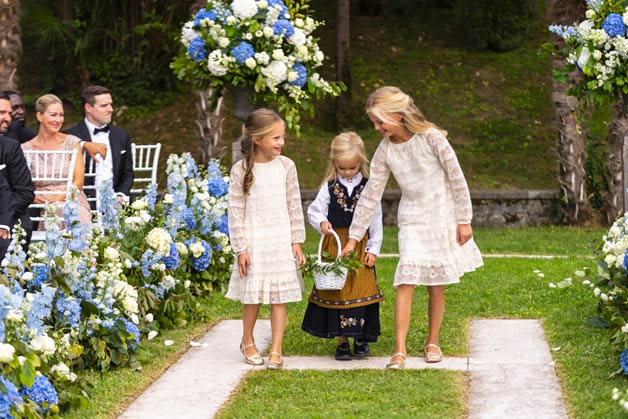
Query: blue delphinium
x,y
149,258
301,75
197,50
172,260
130,327
203,14
41,392
213,169
41,307
68,310
563,31
40,273
242,52
283,27
9,397
614,25
151,196
217,187
108,207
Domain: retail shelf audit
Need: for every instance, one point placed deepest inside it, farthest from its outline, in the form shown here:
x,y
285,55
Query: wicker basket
x,y
329,280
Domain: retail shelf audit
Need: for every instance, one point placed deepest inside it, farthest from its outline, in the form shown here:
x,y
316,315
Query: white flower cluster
x,y
616,243
159,239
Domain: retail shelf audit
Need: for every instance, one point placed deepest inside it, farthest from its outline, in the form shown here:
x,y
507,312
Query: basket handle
x,y
320,245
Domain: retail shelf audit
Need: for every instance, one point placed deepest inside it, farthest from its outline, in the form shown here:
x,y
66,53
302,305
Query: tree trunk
x,y
570,145
617,131
10,43
343,63
209,124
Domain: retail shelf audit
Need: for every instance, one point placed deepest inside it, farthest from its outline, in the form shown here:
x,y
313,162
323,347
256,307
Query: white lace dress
x,y
434,200
265,223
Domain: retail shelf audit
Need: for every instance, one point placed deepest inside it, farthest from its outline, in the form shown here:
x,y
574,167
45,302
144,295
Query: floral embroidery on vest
x,y
343,199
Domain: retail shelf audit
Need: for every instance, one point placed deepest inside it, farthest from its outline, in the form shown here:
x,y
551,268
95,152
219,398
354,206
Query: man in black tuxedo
x,y
117,162
18,129
14,170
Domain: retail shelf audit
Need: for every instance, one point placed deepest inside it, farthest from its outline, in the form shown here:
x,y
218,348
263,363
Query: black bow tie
x,y
103,129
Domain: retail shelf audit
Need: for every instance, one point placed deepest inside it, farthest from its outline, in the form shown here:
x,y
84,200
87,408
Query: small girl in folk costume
x,y
354,310
436,246
266,230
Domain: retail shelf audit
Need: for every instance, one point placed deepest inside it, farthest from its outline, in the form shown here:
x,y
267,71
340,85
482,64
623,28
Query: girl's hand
x,y
244,261
298,254
349,247
326,227
464,232
369,260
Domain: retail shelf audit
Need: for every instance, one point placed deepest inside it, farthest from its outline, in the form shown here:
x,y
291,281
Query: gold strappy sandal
x,y
397,365
433,357
255,359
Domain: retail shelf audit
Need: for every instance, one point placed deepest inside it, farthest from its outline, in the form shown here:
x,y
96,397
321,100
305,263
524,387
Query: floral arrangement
x,y
84,299
598,48
264,44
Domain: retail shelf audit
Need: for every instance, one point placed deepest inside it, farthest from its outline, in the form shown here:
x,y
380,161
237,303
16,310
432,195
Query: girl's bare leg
x,y
403,310
435,312
278,317
249,317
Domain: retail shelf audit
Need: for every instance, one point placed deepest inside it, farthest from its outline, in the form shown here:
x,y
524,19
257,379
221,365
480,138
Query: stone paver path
x,y
512,373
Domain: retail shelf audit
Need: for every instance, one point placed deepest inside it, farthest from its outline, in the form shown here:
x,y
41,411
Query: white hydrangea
x,y
276,72
63,371
139,204
43,344
262,57
127,295
6,352
216,63
159,239
188,33
297,38
244,9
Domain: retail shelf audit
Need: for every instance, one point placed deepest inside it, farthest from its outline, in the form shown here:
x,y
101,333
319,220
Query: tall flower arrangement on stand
x,y
264,44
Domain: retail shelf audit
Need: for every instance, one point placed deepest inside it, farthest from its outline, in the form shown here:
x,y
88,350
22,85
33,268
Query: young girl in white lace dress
x,y
266,230
434,217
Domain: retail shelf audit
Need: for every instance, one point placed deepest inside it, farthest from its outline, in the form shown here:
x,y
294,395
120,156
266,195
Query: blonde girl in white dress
x,y
436,244
266,230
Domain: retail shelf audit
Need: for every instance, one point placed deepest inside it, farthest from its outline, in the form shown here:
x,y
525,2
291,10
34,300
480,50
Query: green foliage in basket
x,y
311,266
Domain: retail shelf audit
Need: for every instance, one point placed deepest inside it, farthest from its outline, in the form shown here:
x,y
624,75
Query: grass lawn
x,y
503,288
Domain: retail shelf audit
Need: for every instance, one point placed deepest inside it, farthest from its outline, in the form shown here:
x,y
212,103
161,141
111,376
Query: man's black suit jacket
x,y
120,146
14,169
20,133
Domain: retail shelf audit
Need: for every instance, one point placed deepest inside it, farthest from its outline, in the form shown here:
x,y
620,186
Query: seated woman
x,y
50,138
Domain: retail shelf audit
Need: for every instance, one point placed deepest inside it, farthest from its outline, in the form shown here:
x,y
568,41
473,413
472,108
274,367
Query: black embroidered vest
x,y
341,205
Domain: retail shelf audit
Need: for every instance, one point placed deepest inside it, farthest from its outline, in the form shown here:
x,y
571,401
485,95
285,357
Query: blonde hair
x,y
44,101
259,123
346,146
389,100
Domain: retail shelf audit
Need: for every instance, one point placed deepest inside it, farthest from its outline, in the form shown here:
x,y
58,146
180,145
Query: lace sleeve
x,y
447,156
293,199
236,209
372,193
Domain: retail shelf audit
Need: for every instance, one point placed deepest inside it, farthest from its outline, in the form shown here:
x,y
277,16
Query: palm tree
x,y
10,42
570,145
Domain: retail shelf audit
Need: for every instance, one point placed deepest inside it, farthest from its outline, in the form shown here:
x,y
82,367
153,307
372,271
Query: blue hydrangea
x,y
283,27
222,224
242,52
203,14
217,187
283,10
623,361
41,392
202,262
197,50
149,258
131,328
8,398
614,25
172,260
189,218
301,75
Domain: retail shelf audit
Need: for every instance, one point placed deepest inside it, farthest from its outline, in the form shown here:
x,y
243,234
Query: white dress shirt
x,y
104,168
318,209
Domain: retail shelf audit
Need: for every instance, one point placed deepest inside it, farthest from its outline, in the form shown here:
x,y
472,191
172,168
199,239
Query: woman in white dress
x,y
434,217
266,230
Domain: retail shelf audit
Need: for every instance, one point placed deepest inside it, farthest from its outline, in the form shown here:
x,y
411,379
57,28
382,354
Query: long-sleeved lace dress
x,y
434,200
266,223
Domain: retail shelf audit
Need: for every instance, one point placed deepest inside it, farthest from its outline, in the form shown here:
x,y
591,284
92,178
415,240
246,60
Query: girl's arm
x,y
236,209
448,160
318,209
376,232
371,195
293,199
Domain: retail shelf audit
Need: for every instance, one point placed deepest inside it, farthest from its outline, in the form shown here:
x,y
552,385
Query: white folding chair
x,y
91,170
49,166
145,162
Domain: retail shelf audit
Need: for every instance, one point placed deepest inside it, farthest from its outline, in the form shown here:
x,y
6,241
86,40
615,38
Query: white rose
x,y
299,23
319,56
292,76
181,248
139,204
168,198
6,352
231,20
250,62
197,249
597,54
262,4
40,255
43,344
268,31
223,42
610,259
111,253
278,55
589,13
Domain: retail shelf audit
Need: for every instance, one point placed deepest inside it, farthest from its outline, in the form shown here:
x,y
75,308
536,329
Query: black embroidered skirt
x,y
357,322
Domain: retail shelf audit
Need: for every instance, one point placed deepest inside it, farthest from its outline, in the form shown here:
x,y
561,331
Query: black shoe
x,y
343,352
361,349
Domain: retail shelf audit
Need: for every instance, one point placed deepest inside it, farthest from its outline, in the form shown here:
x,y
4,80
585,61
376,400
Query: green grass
x,y
503,288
